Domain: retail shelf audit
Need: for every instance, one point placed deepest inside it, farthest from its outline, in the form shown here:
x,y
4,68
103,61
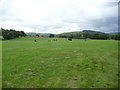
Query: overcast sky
x,y
58,16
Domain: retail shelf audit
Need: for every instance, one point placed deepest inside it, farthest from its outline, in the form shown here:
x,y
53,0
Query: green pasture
x,y
59,64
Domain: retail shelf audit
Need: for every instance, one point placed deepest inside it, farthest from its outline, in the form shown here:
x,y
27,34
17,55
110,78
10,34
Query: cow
x,y
54,40
70,39
35,40
49,40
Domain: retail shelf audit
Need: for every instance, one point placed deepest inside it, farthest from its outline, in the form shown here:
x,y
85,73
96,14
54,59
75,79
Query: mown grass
x,y
61,64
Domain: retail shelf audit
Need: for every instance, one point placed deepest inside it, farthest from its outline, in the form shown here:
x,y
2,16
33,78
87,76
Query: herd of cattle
x,y
52,40
70,39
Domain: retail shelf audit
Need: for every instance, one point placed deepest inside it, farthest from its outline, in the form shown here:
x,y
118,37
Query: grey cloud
x,y
68,15
106,24
42,27
10,18
109,4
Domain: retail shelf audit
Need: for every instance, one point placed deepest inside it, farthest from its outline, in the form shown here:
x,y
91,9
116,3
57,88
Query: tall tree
x,y
51,35
37,35
86,35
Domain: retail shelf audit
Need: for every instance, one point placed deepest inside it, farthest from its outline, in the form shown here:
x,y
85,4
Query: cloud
x,y
57,16
107,24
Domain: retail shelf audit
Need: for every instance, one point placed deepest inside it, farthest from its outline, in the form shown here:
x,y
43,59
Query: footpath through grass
x,y
61,64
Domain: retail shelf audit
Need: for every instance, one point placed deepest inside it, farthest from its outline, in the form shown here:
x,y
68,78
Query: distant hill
x,y
71,33
32,34
93,32
97,32
114,33
44,34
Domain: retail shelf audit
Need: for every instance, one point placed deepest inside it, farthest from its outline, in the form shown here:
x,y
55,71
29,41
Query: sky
x,y
58,16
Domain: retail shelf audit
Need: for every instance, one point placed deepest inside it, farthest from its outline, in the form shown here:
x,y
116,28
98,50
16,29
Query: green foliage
x,y
100,36
86,35
37,35
11,34
51,35
77,35
0,32
116,37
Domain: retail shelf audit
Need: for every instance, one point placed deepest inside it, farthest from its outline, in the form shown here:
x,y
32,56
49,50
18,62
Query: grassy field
x,y
60,64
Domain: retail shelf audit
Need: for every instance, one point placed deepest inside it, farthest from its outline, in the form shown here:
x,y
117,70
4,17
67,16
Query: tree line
x,y
11,34
85,35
